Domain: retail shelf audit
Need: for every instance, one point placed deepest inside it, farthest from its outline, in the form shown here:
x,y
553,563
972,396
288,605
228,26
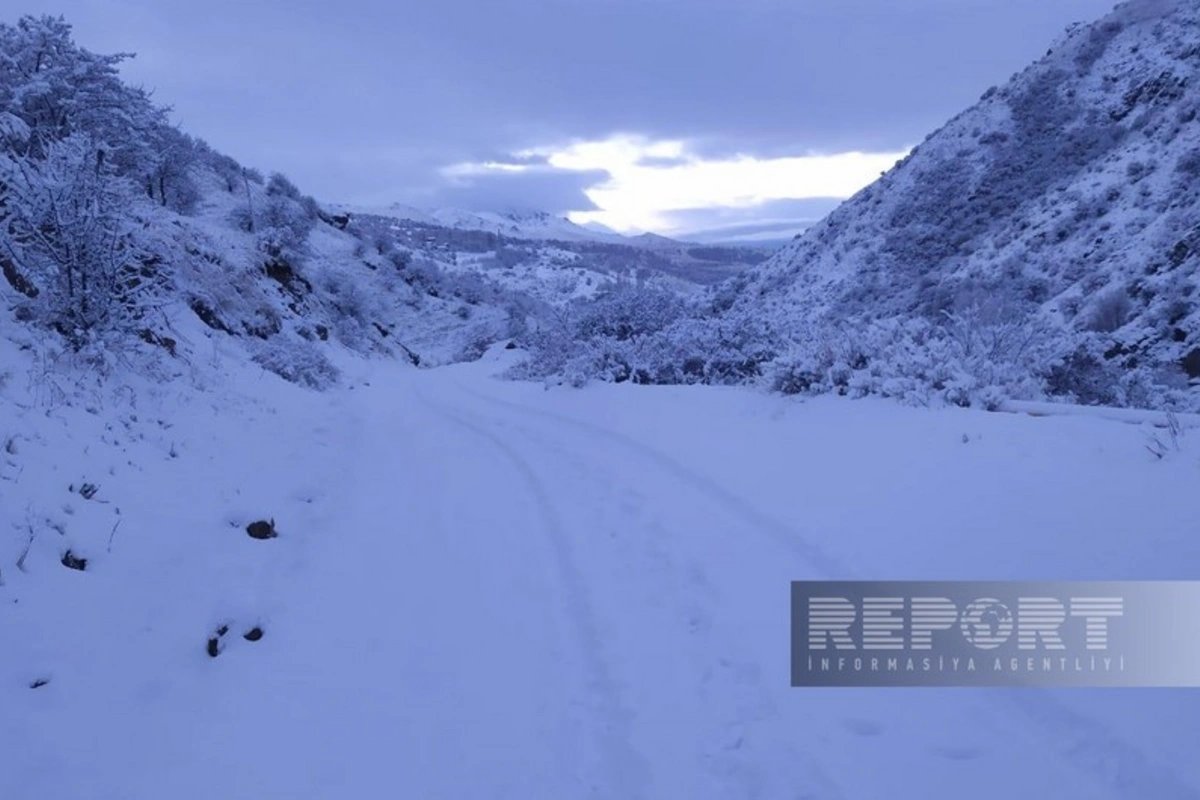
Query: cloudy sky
x,y
664,115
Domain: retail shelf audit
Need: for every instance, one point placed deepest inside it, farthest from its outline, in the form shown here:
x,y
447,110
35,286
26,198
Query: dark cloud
x,y
554,190
362,97
773,219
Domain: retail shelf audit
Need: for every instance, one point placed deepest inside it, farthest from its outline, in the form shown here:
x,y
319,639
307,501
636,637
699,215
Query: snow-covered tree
x,y
174,157
59,89
68,233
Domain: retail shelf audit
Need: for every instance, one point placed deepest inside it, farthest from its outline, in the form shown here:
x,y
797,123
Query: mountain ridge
x,y
1066,200
539,225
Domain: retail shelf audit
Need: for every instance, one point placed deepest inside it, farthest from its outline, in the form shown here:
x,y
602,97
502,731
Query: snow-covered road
x,y
487,590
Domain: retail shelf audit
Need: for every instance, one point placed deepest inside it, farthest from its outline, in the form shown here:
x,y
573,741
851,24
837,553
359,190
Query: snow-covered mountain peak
x,y
531,225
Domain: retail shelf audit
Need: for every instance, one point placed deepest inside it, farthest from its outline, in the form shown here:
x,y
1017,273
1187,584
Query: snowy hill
x,y
1043,242
536,225
555,271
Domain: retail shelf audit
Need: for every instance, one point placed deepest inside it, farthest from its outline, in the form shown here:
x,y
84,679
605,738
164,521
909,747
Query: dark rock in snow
x,y
214,647
1191,363
262,530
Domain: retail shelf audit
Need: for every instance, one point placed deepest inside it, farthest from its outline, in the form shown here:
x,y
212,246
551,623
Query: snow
x,y
536,226
483,588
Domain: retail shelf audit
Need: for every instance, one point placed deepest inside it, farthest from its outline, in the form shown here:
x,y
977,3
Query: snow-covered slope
x,y
536,225
341,289
484,589
118,231
1060,215
558,270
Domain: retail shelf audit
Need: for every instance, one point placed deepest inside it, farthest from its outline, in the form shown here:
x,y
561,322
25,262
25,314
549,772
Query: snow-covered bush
x,y
1092,374
1110,311
300,362
625,311
73,240
647,336
609,337
476,341
170,177
283,229
467,286
279,185
281,225
969,361
352,307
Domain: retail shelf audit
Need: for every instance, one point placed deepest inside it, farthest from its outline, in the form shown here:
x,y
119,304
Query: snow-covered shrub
x,y
1110,311
1188,165
1093,374
477,340
281,221
609,337
968,361
551,344
352,307
425,273
242,218
74,240
516,320
226,167
646,336
510,256
383,244
278,185
300,362
467,286
282,228
714,350
399,259
624,312
174,159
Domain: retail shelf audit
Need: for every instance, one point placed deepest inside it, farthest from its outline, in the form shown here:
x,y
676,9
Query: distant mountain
x,y
768,234
553,270
537,225
597,227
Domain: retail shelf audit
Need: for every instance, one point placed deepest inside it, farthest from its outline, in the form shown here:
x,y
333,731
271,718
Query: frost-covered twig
x,y
28,547
112,534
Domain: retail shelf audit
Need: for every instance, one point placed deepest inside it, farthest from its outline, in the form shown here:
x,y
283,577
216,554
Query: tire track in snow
x,y
751,733
624,766
1088,745
826,565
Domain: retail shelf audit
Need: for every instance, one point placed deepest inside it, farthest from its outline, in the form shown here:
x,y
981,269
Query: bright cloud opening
x,y
651,178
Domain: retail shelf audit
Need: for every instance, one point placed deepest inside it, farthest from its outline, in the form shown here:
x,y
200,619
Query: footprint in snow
x,y
698,621
863,727
952,753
